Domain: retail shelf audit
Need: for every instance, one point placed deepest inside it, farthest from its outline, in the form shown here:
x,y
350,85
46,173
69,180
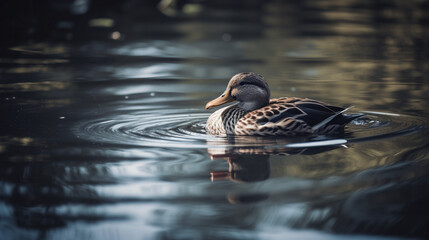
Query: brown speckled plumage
x,y
287,116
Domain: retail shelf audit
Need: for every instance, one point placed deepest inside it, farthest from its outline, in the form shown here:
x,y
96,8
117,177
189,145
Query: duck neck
x,y
252,105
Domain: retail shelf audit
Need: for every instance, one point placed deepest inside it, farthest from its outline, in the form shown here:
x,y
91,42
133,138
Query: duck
x,y
254,113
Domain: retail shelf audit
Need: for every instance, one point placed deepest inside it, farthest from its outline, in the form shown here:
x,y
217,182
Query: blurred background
x,y
362,49
102,119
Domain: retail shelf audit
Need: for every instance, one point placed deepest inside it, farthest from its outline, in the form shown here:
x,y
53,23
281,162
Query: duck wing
x,y
291,116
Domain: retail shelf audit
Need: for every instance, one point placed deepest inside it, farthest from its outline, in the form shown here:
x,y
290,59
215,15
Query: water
x,y
103,120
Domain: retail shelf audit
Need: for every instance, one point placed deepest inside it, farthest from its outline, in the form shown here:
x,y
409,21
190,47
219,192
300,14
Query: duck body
x,y
257,114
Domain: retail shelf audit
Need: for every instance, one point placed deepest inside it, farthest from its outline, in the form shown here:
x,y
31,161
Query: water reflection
x,y
44,196
377,208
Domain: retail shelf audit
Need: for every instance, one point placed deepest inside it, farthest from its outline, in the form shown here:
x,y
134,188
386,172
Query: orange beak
x,y
220,175
222,99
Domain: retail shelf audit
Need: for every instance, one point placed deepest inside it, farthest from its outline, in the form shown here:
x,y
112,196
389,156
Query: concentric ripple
x,y
178,130
145,129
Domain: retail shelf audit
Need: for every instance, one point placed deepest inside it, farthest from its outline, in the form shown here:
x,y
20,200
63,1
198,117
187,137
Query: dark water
x,y
102,121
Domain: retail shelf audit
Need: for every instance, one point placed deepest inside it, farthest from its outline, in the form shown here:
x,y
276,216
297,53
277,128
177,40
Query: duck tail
x,y
338,118
345,118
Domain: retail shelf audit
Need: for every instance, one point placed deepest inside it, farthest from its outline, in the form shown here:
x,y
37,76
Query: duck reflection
x,y
244,168
248,157
249,161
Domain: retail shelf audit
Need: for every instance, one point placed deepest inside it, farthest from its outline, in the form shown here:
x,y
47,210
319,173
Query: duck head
x,y
249,89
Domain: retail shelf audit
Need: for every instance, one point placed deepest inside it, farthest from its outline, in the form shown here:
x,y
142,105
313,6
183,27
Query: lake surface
x,y
102,121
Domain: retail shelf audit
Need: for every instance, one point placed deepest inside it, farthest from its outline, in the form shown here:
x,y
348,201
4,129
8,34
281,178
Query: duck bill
x,y
222,99
220,175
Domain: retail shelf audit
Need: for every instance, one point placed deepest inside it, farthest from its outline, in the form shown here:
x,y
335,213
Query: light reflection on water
x,y
106,140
